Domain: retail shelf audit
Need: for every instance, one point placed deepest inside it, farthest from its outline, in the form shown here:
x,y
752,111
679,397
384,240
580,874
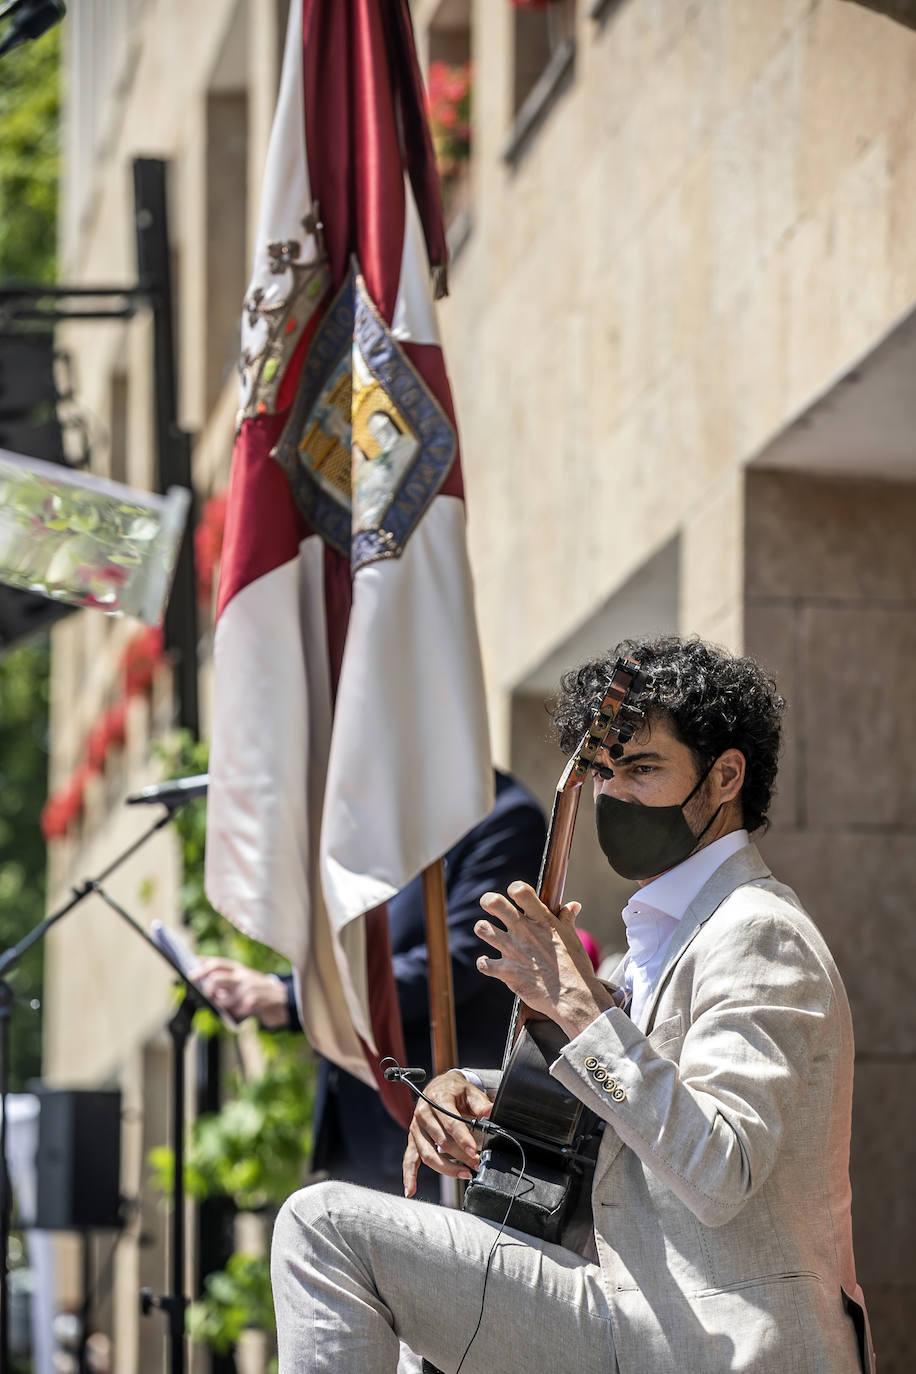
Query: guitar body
x,y
559,1135
529,1100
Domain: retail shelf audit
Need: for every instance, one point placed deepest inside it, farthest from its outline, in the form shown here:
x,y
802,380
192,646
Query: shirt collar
x,y
672,892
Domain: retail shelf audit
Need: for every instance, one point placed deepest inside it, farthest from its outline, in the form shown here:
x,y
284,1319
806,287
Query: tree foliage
x,y
29,131
237,1297
29,148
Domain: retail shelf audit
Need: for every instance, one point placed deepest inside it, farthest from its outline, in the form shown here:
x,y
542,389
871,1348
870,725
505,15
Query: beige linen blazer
x,y
721,1196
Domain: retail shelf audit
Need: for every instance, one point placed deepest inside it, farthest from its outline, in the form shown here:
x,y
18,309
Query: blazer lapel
x,y
743,867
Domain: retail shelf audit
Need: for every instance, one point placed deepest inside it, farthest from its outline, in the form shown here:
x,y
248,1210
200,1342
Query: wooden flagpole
x,y
442,1029
443,1033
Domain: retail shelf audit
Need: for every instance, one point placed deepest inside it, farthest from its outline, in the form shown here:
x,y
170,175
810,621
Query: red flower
x,y
448,107
65,805
97,746
113,573
109,730
457,83
54,819
115,719
208,546
141,657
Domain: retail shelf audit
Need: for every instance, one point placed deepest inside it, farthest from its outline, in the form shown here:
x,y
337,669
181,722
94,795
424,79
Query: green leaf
x,y
146,891
29,143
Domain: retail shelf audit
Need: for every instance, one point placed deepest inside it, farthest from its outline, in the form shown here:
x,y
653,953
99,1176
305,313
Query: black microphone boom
x,y
174,792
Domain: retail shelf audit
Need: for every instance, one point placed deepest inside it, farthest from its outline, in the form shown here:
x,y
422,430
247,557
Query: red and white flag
x,y
349,735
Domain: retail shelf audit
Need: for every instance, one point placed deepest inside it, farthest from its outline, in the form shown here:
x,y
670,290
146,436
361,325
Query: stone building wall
x,y
711,223
831,606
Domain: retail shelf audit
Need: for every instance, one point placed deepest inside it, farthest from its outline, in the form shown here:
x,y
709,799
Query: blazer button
x,y
619,1095
591,1062
600,1075
609,1086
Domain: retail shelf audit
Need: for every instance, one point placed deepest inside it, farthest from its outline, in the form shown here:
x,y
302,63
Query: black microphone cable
x,y
412,1077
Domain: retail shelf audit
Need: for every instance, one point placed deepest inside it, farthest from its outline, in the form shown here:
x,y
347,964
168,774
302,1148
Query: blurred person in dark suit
x,y
355,1139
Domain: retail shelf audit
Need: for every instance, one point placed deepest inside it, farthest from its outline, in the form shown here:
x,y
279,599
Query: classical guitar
x,y
559,1134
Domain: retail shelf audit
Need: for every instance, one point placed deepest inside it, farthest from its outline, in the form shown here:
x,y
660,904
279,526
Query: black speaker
x,y
79,1160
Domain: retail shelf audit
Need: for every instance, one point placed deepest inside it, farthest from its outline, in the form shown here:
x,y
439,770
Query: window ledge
x,y
540,98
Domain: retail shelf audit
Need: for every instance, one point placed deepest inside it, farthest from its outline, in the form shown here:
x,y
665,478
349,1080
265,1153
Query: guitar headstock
x,y
616,715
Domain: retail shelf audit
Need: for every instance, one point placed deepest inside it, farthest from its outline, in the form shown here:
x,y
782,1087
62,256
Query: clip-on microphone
x,y
398,1075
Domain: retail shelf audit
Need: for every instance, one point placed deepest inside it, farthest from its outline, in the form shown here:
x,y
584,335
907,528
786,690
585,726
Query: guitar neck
x,y
616,713
555,860
552,878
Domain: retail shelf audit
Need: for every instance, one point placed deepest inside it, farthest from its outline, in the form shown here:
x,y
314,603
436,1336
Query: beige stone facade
x,y
680,341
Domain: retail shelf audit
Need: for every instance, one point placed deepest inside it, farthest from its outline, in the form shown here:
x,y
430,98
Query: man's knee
x,y
301,1211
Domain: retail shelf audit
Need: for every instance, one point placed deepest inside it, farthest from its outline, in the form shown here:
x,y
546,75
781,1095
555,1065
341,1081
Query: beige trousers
x,y
355,1271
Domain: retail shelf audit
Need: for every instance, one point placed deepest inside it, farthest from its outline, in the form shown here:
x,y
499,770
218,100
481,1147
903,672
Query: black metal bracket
x,y
26,305
36,303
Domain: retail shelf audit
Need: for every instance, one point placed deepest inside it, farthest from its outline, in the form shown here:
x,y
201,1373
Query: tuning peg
x,y
632,713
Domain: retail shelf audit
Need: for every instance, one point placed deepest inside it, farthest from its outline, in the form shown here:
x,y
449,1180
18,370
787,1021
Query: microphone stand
x,y
173,1304
179,1027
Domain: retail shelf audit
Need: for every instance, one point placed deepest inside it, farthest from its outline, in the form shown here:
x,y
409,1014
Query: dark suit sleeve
x,y
507,845
294,1024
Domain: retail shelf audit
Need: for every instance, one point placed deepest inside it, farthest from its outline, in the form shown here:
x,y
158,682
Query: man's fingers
x,y
491,968
410,1168
485,1108
421,1151
440,1141
217,987
524,896
494,935
448,1137
520,901
521,904
214,964
436,1155
500,908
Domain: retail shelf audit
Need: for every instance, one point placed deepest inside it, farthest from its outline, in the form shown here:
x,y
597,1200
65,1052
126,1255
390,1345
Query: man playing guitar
x,y
719,1061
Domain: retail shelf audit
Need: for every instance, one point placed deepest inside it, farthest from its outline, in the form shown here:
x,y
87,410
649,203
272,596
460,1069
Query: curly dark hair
x,y
712,700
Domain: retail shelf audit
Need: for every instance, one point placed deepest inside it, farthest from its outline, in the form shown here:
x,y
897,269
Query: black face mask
x,y
643,841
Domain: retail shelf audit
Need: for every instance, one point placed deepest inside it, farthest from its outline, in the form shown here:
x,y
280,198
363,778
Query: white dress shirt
x,y
653,914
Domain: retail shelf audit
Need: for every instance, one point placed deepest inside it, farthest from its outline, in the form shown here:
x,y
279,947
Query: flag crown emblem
x,y
367,445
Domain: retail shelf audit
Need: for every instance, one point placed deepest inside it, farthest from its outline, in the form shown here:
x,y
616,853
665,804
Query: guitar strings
x,y
480,1124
